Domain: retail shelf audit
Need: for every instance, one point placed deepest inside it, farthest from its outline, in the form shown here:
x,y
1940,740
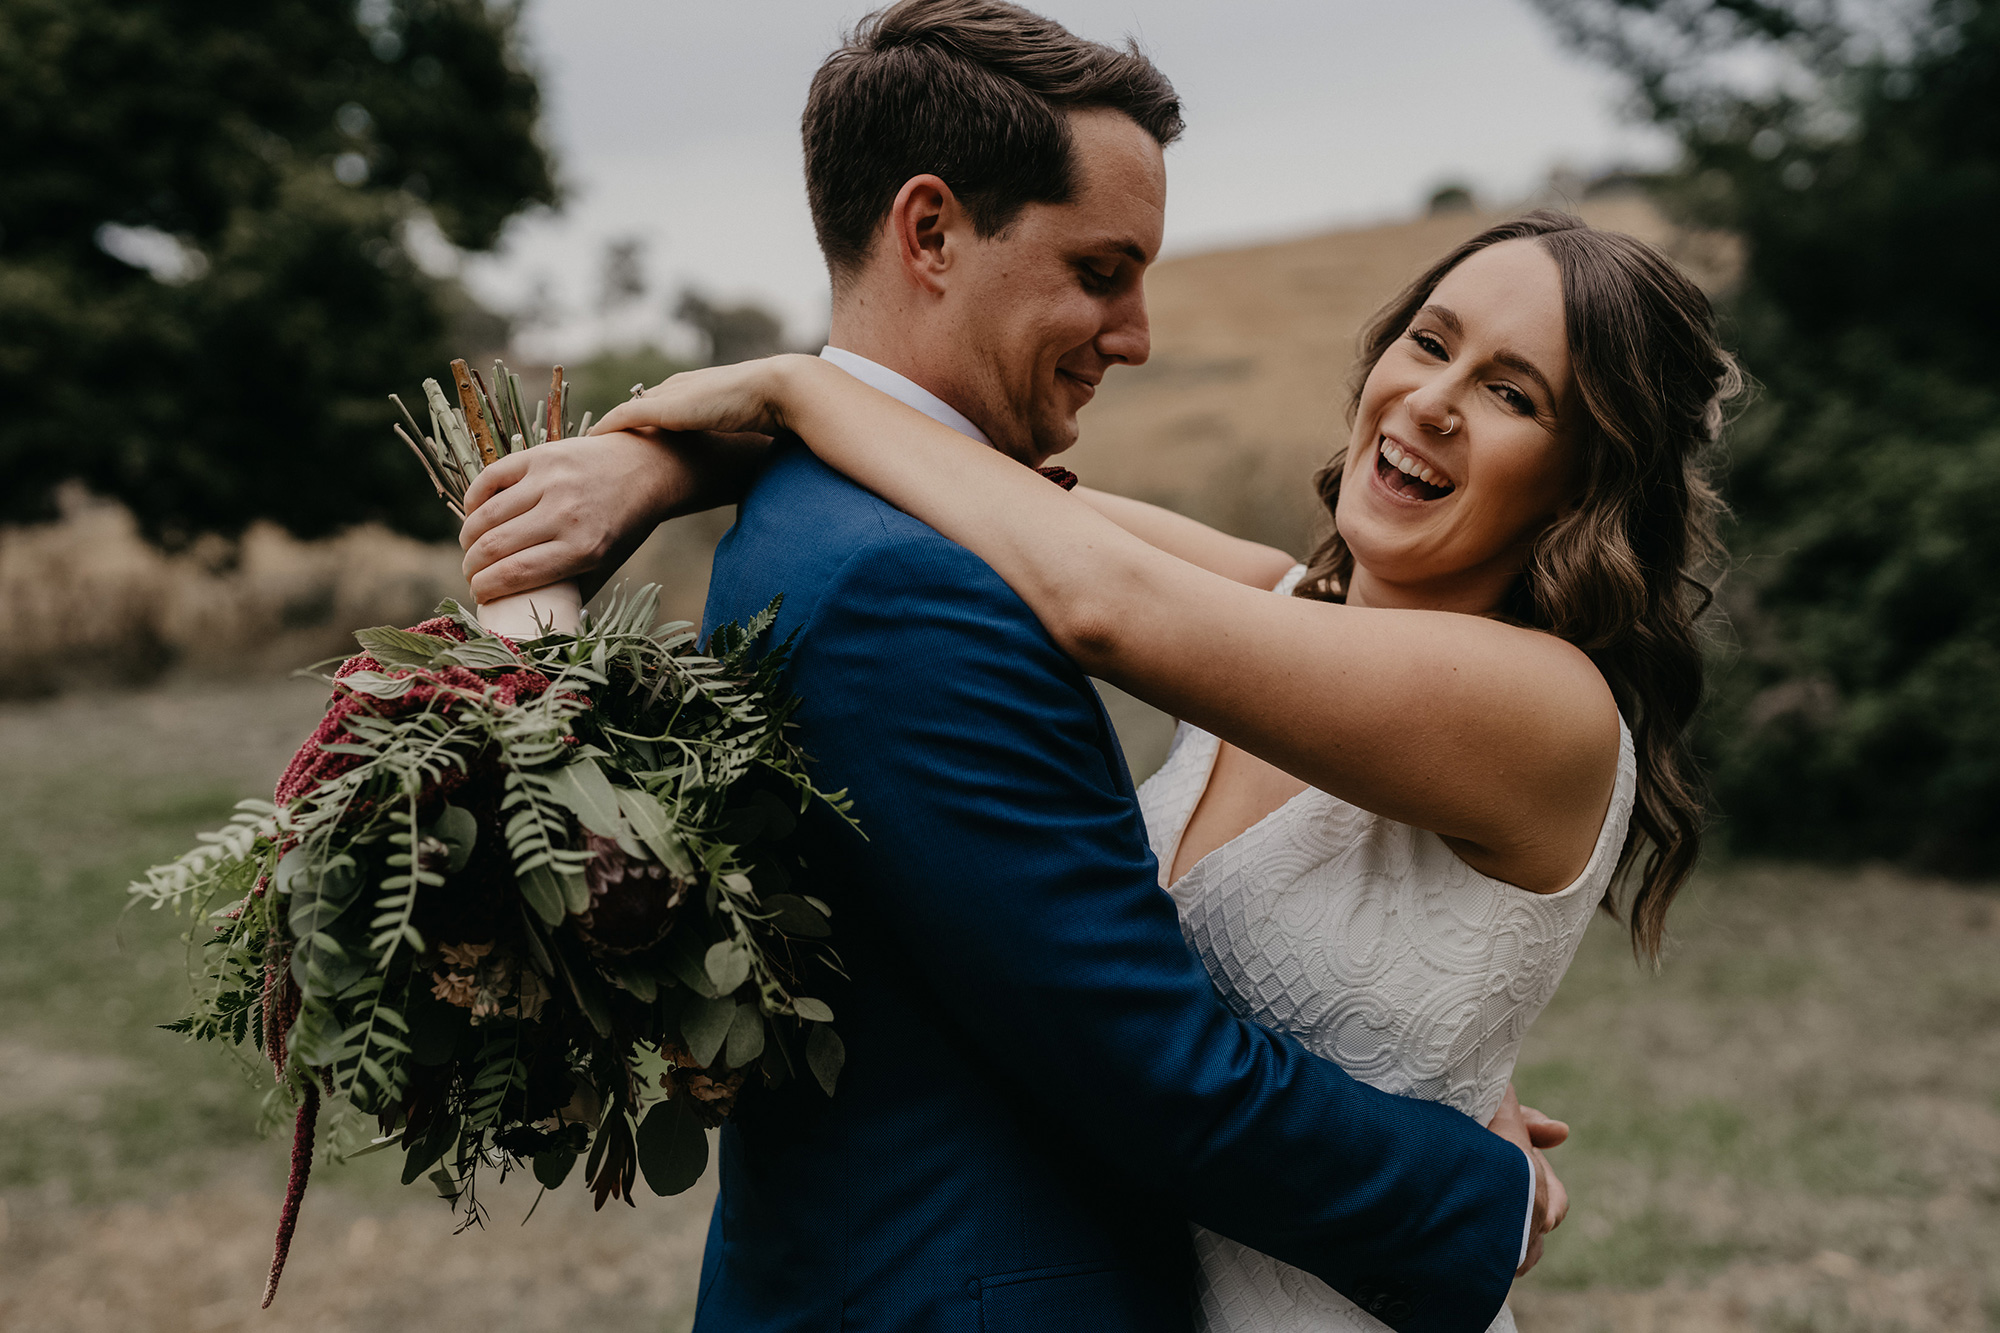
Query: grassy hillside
x,y
1794,1126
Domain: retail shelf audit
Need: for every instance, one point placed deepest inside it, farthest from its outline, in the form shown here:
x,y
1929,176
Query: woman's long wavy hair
x,y
1618,573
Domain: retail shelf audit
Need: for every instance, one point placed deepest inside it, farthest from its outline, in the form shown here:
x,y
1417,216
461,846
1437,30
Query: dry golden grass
x,y
1794,1126
194,1262
87,601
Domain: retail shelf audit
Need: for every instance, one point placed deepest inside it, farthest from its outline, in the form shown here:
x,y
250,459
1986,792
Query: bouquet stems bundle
x,y
524,904
483,428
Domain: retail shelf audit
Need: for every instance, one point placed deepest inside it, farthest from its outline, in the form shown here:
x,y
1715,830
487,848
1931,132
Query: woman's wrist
x,y
789,386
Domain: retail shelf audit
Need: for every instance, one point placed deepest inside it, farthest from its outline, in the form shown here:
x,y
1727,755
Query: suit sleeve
x,y
1010,862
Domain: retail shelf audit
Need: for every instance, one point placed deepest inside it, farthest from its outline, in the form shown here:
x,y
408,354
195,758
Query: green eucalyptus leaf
x,y
320,893
779,817
796,916
394,647
813,1011
553,1165
727,965
543,890
314,1038
429,1148
458,830
538,952
310,914
636,978
743,826
705,1026
324,968
589,991
590,796
378,686
478,654
746,1036
650,821
825,1054
672,1147
684,957
289,866
435,1028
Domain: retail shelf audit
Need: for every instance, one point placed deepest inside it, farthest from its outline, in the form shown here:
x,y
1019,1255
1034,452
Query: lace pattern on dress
x,y
1373,944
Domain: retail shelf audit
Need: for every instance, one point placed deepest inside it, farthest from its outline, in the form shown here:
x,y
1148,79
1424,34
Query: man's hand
x,y
1533,1132
577,508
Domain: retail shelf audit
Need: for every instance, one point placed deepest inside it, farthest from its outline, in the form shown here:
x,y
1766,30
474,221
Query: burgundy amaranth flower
x,y
295,1186
439,686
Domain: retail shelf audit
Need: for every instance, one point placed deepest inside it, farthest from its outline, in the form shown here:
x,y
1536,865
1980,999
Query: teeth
x,y
1410,467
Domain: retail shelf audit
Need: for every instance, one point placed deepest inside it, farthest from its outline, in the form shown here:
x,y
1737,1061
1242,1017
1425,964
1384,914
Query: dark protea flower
x,y
633,900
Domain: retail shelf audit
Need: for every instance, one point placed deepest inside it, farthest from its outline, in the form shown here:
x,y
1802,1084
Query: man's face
x,y
1041,310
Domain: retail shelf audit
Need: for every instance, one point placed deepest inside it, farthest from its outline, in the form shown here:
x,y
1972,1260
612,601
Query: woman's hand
x,y
577,508
748,396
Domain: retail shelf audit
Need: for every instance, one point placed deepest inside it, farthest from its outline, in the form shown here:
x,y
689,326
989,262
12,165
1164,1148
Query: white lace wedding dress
x,y
1374,945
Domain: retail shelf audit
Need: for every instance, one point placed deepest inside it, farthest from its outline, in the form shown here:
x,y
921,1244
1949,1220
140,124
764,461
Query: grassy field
x,y
1795,1125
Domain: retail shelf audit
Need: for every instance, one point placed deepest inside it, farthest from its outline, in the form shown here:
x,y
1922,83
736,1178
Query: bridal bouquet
x,y
522,900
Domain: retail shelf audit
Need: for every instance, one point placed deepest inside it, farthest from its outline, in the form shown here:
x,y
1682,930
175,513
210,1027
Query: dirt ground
x,y
1794,1125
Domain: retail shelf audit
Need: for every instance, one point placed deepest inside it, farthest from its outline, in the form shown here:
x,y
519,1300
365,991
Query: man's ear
x,y
926,224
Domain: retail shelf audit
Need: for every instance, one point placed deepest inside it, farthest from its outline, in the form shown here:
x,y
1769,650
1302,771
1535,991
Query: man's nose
x,y
1128,335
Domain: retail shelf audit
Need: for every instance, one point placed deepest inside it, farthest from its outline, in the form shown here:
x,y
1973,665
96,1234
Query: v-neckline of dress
x,y
1214,743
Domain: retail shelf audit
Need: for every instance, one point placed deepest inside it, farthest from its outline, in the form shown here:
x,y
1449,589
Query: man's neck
x,y
890,344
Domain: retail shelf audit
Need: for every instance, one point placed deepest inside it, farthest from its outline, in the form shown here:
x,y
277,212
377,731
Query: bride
x,y
1411,768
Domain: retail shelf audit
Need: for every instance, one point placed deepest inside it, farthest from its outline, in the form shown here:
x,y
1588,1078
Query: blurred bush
x,y
207,277
1856,151
89,601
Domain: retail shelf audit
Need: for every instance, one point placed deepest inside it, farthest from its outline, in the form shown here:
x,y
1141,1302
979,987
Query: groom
x,y
1042,1087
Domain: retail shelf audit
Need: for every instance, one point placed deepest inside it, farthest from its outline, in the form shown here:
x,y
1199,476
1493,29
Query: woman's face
x,y
1461,451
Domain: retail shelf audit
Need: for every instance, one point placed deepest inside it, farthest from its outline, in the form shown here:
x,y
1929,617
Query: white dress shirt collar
x,y
904,390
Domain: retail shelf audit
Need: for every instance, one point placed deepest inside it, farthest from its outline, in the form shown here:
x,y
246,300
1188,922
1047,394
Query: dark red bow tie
x,y
1061,476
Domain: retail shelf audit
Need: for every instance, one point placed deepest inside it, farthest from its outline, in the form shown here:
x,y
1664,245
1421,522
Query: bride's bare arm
x,y
1195,542
1499,738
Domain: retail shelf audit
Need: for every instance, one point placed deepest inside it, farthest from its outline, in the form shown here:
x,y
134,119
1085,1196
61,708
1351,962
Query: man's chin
x,y
1048,443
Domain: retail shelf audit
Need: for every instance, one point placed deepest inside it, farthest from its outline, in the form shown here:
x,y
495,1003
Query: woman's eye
x,y
1428,342
1515,399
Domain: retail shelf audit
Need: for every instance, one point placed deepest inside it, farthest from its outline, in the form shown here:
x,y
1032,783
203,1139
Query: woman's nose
x,y
1433,407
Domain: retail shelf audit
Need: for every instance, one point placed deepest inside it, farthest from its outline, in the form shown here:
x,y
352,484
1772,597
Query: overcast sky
x,y
676,122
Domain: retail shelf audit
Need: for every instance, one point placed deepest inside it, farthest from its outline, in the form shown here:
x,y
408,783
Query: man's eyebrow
x,y
1131,249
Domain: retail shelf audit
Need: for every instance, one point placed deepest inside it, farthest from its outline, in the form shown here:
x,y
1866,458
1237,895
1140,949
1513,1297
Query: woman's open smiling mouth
x,y
1405,476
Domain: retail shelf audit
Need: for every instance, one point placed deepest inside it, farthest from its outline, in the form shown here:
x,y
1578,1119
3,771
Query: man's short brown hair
x,y
975,92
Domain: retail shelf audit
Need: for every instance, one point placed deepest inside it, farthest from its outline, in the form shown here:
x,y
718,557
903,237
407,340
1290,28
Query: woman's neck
x,y
1476,594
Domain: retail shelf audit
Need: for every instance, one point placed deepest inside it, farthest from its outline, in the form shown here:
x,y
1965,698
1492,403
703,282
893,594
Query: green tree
x,y
206,285
1856,152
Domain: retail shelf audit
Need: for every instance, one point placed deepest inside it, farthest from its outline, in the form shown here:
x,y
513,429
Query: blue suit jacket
x,y
1042,1088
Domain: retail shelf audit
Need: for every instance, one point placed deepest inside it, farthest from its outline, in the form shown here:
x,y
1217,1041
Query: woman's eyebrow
x,y
1446,316
1515,361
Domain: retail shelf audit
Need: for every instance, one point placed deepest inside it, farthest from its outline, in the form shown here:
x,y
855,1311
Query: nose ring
x,y
1452,426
